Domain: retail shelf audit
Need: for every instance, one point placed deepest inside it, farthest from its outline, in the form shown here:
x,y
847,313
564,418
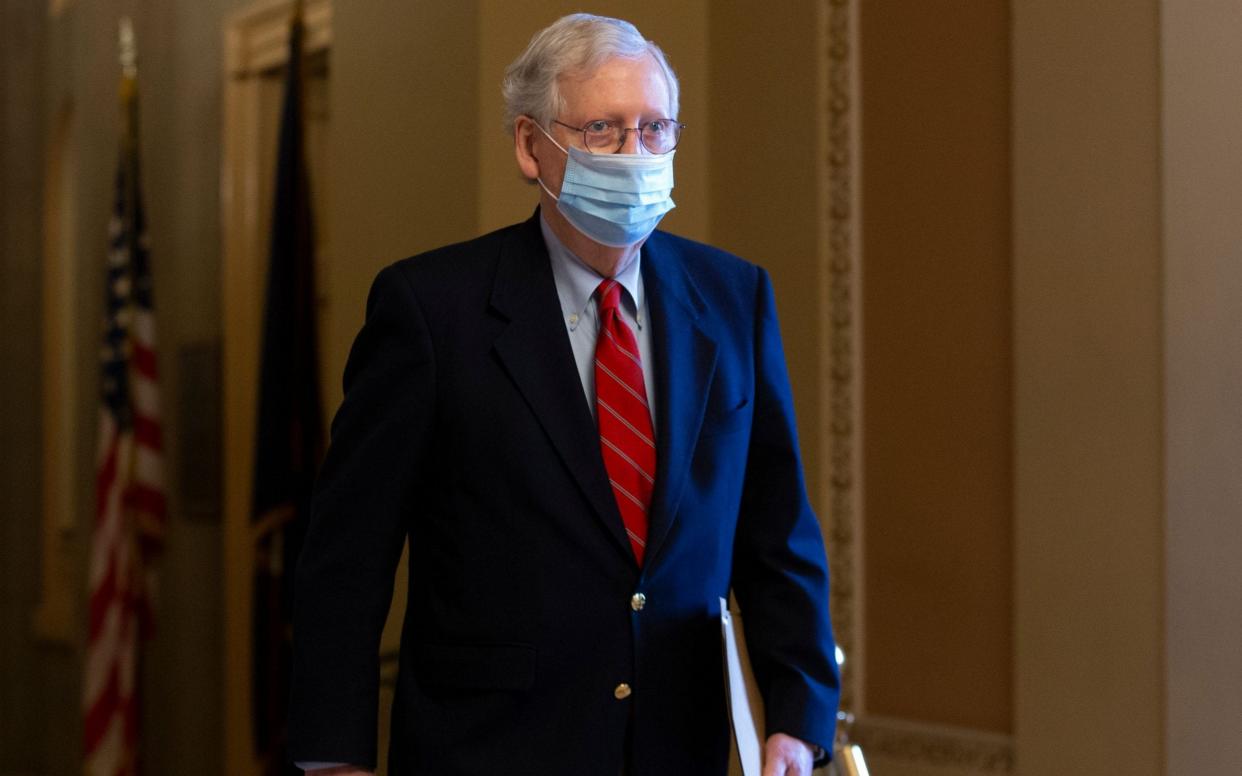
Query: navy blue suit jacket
x,y
464,429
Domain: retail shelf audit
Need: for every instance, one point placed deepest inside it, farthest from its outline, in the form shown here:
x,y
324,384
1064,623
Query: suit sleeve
x,y
359,520
780,566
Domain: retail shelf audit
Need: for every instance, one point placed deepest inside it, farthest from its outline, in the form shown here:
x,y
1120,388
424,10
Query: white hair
x,y
574,44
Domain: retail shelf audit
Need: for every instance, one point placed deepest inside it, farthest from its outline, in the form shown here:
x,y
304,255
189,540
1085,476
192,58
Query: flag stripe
x,y
147,433
142,359
144,397
101,600
146,500
147,468
101,714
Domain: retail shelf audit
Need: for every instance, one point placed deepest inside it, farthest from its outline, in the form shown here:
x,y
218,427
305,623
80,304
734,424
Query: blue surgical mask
x,y
614,199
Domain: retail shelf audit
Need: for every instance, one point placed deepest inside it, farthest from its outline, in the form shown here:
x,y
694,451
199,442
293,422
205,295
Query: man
x,y
585,430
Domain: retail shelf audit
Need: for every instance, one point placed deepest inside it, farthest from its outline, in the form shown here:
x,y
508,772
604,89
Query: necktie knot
x,y
609,293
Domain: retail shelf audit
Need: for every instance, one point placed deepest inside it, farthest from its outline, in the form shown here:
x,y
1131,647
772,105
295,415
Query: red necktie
x,y
625,436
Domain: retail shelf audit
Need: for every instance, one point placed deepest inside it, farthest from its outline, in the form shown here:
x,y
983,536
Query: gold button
x,y
622,692
638,601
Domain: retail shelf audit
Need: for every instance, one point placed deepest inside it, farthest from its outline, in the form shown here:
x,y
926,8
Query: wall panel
x,y
1088,438
936,362
1202,170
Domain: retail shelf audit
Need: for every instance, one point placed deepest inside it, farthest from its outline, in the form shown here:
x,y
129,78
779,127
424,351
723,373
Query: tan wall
x,y
1088,388
764,193
936,363
403,166
180,73
1202,178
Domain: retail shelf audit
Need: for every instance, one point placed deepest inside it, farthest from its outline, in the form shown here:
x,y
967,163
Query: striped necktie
x,y
625,434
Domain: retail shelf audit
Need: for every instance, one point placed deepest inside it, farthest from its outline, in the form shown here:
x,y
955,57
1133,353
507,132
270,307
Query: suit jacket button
x,y
638,601
622,692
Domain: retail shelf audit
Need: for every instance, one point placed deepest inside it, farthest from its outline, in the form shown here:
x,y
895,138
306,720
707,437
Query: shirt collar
x,y
576,282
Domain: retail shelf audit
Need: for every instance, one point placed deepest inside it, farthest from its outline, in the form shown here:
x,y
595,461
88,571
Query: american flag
x,y
130,512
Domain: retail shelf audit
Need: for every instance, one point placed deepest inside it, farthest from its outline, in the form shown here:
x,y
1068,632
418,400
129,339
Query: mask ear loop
x,y
549,137
546,189
542,185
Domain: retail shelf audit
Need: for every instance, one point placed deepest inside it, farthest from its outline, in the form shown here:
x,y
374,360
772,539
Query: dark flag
x,y
289,437
130,503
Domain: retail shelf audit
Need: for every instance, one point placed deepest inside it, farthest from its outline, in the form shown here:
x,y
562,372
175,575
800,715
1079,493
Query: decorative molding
x,y
56,613
974,751
839,371
257,37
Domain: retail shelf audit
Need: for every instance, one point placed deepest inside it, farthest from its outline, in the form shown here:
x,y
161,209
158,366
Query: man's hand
x,y
786,756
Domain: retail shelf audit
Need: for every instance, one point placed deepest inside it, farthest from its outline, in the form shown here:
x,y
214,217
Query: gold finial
x,y
129,52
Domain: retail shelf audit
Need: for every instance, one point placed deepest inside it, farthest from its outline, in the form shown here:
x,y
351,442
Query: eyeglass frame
x,y
678,127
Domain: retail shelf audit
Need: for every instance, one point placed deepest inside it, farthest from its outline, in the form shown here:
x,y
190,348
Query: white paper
x,y
745,702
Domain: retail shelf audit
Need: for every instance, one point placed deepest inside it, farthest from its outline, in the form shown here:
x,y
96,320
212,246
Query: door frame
x,y
256,41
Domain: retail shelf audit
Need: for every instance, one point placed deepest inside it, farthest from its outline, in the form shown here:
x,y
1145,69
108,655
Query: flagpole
x,y
128,92
141,577
129,52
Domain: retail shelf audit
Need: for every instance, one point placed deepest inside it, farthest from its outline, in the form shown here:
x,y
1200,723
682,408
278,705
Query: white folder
x,y
746,708
745,702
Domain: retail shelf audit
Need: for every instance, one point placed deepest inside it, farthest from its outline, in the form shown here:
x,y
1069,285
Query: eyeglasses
x,y
601,136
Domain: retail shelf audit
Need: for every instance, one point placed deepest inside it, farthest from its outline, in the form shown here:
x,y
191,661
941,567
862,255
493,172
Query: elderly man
x,y
584,428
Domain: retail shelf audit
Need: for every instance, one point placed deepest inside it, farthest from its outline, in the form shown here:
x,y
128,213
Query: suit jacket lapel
x,y
535,352
685,359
